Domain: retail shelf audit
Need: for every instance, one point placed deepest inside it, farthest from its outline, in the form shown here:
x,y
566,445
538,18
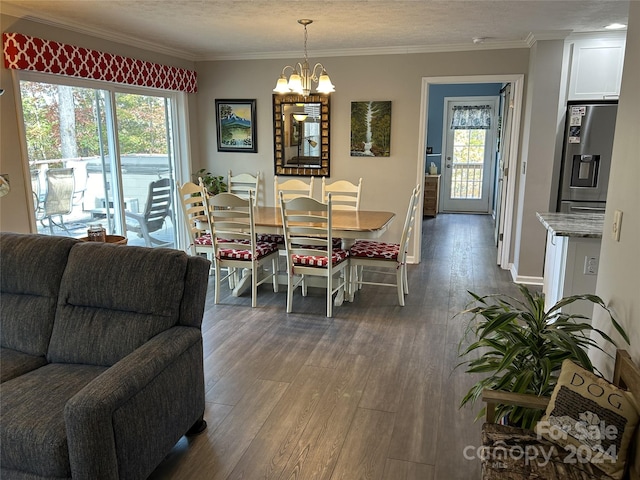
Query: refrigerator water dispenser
x,y
585,171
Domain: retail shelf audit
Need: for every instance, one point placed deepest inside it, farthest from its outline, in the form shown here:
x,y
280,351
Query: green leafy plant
x,y
521,347
214,184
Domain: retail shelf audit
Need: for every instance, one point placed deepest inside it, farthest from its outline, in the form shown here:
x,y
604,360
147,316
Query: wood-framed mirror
x,y
301,135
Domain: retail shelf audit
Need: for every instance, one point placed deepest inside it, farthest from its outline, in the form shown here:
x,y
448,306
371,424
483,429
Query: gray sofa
x,y
101,356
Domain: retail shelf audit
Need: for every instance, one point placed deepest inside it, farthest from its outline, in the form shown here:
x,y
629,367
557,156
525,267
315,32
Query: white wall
x,y
538,153
387,182
619,276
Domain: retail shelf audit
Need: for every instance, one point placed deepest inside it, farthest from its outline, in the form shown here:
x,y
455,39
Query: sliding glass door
x,y
100,156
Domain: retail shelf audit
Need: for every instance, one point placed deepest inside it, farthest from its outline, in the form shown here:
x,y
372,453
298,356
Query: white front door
x,y
469,156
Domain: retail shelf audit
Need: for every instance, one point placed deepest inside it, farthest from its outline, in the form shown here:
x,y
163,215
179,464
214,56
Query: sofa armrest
x,y
123,423
494,397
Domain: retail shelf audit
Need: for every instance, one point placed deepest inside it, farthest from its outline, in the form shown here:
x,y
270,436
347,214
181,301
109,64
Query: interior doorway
x,y
508,211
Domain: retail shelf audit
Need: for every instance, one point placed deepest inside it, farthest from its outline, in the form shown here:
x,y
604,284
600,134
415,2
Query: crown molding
x,y
352,52
601,35
533,37
25,14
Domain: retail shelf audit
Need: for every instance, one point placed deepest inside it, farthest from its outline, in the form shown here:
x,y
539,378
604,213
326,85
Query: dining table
x,y
348,225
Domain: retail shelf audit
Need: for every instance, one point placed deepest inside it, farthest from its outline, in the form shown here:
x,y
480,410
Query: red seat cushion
x,y
337,256
370,249
270,237
203,239
262,249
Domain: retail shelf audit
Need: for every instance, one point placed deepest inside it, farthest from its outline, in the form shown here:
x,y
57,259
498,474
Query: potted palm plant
x,y
520,347
214,184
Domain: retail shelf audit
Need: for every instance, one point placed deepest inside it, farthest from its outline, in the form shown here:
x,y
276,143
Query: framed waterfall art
x,y
370,129
236,126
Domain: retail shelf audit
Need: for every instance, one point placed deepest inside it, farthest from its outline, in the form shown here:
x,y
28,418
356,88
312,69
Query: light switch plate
x,y
617,223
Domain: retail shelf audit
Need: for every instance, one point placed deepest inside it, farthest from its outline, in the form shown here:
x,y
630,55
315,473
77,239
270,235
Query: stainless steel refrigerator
x,y
586,156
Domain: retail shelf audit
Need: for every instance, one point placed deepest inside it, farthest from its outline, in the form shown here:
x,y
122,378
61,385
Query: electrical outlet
x,y
590,265
617,224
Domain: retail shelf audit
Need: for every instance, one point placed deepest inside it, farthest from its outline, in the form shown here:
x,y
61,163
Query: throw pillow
x,y
591,418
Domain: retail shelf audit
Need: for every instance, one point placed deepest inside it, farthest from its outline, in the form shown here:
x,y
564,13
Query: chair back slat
x,y
292,188
243,184
345,195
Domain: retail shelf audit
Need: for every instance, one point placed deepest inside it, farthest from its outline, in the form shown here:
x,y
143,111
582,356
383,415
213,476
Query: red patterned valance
x,y
23,52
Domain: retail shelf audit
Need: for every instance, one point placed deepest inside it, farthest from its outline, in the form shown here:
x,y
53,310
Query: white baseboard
x,y
525,279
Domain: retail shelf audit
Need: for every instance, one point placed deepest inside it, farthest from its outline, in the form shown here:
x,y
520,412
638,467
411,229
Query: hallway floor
x,y
369,394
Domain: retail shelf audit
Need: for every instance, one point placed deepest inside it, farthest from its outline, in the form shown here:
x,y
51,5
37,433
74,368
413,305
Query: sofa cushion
x,y
590,416
113,299
32,266
32,426
15,363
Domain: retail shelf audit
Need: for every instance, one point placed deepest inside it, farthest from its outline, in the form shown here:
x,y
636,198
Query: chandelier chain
x,y
305,42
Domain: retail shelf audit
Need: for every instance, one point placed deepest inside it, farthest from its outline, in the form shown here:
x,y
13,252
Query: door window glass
x,y
467,164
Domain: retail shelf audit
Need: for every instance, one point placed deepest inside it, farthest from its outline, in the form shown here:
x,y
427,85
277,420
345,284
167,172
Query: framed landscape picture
x,y
236,126
371,129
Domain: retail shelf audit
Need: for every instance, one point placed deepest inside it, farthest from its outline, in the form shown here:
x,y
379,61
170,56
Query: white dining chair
x,y
243,183
345,195
309,248
388,256
194,213
235,246
292,188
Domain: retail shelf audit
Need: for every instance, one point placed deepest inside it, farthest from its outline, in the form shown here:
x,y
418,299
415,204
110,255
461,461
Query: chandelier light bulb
x,y
324,84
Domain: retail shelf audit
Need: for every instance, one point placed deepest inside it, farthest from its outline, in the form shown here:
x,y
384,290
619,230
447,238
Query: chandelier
x,y
302,75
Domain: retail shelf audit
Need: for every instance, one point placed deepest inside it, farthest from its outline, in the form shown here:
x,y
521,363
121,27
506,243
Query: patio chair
x,y
157,209
58,198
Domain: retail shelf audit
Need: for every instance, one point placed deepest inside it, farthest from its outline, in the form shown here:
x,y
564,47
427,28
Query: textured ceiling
x,y
227,29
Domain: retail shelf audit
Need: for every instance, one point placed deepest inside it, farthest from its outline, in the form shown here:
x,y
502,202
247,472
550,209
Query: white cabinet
x,y
596,68
566,272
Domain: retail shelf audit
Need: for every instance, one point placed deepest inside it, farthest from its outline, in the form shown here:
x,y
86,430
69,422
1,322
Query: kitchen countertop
x,y
585,225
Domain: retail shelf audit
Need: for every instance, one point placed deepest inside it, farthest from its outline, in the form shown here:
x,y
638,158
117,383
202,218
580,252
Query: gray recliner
x,y
101,356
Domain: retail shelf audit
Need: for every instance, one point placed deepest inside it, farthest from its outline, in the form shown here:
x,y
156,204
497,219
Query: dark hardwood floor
x,y
369,394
